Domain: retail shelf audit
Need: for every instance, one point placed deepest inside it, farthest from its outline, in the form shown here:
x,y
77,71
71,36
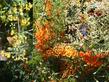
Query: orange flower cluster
x,y
48,53
43,35
92,60
61,50
65,50
48,7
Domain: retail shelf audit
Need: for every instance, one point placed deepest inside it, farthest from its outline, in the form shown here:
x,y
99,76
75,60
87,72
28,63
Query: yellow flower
x,y
28,6
12,32
25,22
78,3
12,18
21,10
2,52
7,54
14,9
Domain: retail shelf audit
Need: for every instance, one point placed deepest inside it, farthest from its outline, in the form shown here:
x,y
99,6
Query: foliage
x,y
54,41
80,40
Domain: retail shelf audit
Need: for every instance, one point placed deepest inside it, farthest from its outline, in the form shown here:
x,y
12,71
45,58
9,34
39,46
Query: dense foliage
x,y
54,41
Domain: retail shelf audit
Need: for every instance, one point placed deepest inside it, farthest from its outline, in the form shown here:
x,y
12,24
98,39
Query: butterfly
x,y
84,29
